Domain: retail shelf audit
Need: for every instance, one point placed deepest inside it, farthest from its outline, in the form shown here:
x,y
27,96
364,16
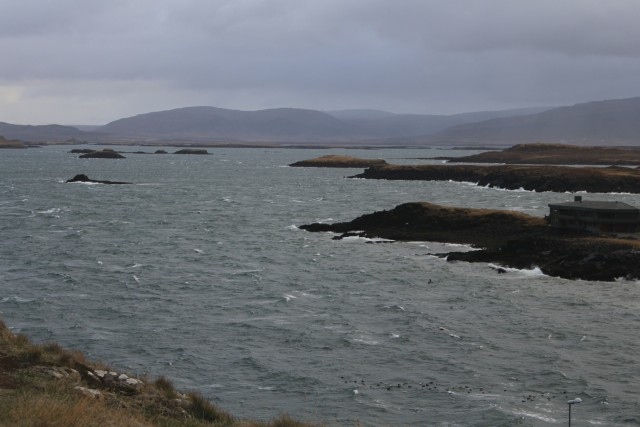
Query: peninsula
x,y
555,154
513,177
508,238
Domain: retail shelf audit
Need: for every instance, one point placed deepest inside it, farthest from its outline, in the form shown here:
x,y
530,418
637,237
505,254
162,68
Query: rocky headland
x,y
513,177
507,238
47,385
337,161
84,178
555,154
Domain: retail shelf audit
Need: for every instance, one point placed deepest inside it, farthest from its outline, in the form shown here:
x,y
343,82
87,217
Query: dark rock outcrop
x,y
514,177
508,238
192,151
85,178
336,161
104,154
577,258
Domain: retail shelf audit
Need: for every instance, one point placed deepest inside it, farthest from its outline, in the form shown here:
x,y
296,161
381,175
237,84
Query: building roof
x,y
596,205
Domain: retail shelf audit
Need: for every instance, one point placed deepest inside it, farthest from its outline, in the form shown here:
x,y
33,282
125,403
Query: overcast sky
x,y
93,61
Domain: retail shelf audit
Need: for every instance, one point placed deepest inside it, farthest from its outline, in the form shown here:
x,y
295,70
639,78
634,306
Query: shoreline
x,y
46,383
507,238
612,179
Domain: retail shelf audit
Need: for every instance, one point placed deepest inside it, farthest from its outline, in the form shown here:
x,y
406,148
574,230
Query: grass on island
x,y
339,161
545,153
47,385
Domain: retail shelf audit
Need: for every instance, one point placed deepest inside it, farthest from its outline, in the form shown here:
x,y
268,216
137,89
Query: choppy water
x,y
198,272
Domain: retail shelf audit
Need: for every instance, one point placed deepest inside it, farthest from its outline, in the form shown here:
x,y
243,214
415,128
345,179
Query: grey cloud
x,y
414,55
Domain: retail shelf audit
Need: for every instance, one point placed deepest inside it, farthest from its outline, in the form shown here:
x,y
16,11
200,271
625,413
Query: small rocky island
x,y
337,161
513,177
84,178
508,238
107,153
198,151
555,154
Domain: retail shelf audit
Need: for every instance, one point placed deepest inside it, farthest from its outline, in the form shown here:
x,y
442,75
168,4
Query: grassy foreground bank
x,y
47,385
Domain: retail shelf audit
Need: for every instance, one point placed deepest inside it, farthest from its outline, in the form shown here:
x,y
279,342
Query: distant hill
x,y
287,125
610,122
411,125
219,124
360,114
43,133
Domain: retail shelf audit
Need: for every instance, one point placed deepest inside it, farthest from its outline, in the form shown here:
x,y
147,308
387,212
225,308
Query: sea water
x,y
198,271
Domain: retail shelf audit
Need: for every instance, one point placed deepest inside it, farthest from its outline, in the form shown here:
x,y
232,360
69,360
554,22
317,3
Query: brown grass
x,y
31,397
53,408
335,160
165,386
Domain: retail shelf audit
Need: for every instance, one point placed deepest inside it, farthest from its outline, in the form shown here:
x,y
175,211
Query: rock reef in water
x,y
336,161
104,154
509,238
85,178
513,177
192,151
109,153
556,154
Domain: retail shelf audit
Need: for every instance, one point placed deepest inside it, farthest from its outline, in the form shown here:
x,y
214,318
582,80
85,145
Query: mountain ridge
x,y
608,122
288,124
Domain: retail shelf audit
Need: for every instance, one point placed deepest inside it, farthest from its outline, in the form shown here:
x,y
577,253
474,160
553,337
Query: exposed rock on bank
x,y
556,154
514,177
85,178
509,238
107,153
336,161
46,385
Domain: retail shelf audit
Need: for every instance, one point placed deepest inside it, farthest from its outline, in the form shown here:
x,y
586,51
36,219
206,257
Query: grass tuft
x,y
285,420
71,358
165,386
202,409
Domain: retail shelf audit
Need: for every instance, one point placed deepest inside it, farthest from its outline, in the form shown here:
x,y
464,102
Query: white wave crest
x,y
533,272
